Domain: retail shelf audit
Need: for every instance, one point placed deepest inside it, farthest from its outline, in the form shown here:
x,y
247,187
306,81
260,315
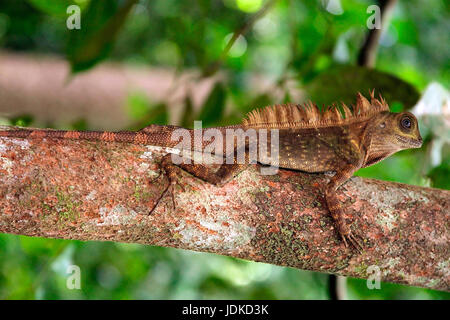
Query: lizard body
x,y
342,140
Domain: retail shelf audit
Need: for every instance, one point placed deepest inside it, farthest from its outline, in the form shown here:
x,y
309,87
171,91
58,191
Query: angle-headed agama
x,y
337,138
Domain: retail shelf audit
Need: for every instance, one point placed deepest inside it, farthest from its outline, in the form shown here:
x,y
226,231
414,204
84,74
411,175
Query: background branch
x,y
102,191
368,53
214,66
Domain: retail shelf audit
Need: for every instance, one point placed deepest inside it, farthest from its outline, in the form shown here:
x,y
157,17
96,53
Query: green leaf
x,y
22,120
342,84
157,115
100,24
56,8
287,97
213,108
440,176
187,119
80,124
138,104
259,101
144,111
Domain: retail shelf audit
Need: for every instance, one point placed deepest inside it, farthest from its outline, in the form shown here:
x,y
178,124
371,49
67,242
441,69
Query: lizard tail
x,y
121,136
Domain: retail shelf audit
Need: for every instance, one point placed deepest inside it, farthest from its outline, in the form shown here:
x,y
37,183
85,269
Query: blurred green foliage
x,y
340,84
295,40
102,20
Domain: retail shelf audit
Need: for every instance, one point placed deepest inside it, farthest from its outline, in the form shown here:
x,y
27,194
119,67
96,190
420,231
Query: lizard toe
x,y
169,189
353,241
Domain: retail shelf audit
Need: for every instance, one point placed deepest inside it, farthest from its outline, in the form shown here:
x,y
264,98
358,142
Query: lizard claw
x,y
353,241
155,178
170,172
159,199
171,189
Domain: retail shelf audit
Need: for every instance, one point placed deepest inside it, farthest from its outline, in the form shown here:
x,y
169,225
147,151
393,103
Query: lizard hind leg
x,y
204,172
170,171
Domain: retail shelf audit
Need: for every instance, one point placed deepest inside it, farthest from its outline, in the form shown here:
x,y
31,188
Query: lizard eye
x,y
406,123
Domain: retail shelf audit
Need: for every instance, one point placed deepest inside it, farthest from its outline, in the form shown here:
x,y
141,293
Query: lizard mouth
x,y
414,143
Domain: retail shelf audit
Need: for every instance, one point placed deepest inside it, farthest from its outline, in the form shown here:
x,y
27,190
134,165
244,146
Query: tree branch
x,y
102,191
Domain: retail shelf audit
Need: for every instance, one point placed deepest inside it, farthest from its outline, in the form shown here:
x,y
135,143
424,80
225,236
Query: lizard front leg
x,y
225,173
335,206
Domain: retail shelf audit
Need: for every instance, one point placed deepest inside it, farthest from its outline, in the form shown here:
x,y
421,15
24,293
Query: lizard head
x,y
391,132
398,130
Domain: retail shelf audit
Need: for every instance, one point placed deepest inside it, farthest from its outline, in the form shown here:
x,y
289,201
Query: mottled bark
x,y
104,191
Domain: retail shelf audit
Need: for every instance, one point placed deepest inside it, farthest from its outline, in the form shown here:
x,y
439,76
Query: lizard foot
x,y
353,241
346,233
337,213
169,189
170,171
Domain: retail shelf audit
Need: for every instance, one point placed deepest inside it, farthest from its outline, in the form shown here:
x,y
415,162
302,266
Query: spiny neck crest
x,y
310,116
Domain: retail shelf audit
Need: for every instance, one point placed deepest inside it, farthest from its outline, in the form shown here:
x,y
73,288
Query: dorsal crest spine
x,y
309,115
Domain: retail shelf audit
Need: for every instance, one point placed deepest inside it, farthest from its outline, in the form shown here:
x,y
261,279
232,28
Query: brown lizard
x,y
338,139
